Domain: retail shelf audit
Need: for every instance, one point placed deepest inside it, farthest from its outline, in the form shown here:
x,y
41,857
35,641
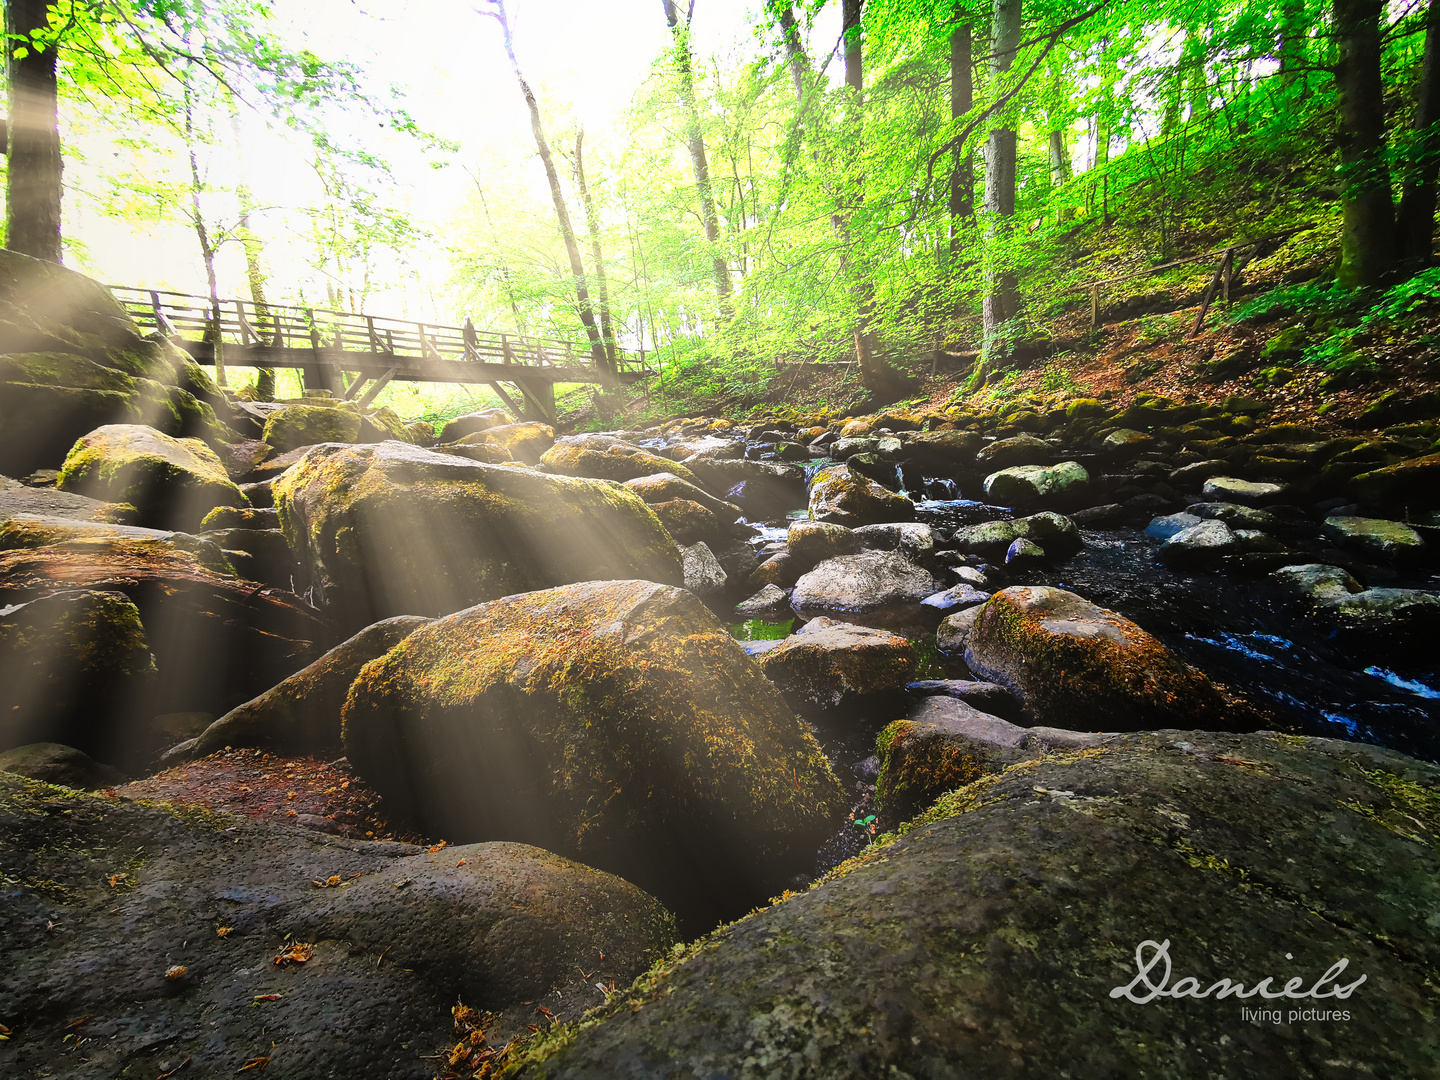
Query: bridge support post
x,y
539,399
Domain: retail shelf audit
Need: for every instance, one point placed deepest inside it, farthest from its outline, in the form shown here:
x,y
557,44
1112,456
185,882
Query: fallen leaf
x,y
179,971
116,879
224,931
402,883
438,847
4,1033
254,1063
176,1069
296,953
460,863
268,997
333,880
290,795
77,1023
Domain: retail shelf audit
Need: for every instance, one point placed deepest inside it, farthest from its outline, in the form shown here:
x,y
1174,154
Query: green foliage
x,y
1342,350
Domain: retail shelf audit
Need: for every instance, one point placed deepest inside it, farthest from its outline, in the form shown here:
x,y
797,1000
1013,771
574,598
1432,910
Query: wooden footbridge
x,y
356,356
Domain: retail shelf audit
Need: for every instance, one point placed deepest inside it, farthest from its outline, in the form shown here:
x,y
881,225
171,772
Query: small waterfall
x,y
900,481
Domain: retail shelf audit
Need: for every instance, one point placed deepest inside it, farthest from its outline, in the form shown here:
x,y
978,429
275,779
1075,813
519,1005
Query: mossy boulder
x,y
388,529
1016,450
688,522
811,542
383,423
490,453
470,423
525,442
1415,481
1374,537
173,483
996,935
824,662
662,487
499,927
608,459
612,721
295,426
1075,665
74,668
942,744
1065,484
941,453
844,497
301,714
1054,532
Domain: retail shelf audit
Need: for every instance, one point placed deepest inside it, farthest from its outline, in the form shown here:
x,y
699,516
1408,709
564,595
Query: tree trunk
x,y
794,50
1059,158
607,331
254,271
562,215
695,140
1292,40
1367,238
962,100
1002,300
33,179
1415,221
202,233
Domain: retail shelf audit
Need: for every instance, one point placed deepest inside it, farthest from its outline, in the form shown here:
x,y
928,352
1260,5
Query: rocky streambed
x,y
1030,688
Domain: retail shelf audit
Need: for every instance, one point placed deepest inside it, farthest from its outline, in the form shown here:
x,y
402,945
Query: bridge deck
x,y
323,344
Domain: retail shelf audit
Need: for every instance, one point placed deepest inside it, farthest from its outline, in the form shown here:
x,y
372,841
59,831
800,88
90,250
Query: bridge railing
x,y
245,324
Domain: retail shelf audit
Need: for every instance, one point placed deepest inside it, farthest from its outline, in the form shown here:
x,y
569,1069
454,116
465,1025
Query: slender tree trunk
x,y
1059,158
695,140
1415,221
202,232
33,179
794,50
254,271
1367,238
562,215
607,331
1002,300
1292,40
962,100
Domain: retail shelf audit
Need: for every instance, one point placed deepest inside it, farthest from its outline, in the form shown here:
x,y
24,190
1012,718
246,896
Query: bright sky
x,y
584,59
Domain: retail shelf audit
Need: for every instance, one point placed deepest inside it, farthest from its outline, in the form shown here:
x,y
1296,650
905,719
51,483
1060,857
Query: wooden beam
x,y
360,380
539,399
380,384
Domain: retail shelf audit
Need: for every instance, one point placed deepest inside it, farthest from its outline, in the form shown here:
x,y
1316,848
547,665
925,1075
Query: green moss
x,y
1410,810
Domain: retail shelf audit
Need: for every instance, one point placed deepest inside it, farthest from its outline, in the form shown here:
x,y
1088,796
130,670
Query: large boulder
x,y
1078,666
612,721
704,576
663,487
1374,537
612,459
55,763
218,640
843,497
301,714
825,662
1003,935
941,453
390,529
871,583
227,956
811,542
525,442
173,483
942,744
1054,532
762,489
1412,482
295,426
457,428
17,498
1017,450
75,668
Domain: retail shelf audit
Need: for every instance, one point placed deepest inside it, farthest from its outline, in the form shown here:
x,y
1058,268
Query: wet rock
x,y
704,576
942,453
1247,492
1054,532
1316,582
173,483
952,636
762,489
497,926
987,697
1018,450
57,764
1235,515
608,459
811,542
1191,477
825,662
614,721
942,744
1414,481
1150,830
1105,516
1163,528
1125,443
1038,485
843,497
295,426
301,715
666,486
1204,544
956,597
1078,666
388,529
1374,537
1024,554
843,448
861,584
781,569
771,600
1390,623
75,668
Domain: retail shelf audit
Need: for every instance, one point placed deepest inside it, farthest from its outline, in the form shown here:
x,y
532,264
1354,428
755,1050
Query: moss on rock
x,y
295,426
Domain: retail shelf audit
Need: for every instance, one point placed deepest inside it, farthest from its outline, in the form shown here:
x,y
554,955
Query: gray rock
x,y
771,600
1106,516
1200,545
1023,554
824,662
17,498
811,542
1054,532
57,764
910,538
400,937
704,576
1374,537
1019,450
1234,515
662,487
952,636
845,497
941,453
988,697
1126,443
1316,582
1163,528
1247,492
942,744
762,489
1022,901
861,583
1047,739
843,448
1038,485
1190,477
956,597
